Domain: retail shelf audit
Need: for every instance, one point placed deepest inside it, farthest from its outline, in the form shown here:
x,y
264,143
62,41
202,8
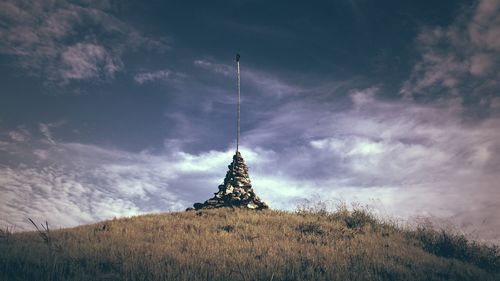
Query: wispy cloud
x,y
223,69
145,77
266,83
84,61
65,41
19,135
159,75
45,130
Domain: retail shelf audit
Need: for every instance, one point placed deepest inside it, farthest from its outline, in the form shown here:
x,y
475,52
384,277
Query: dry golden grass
x,y
232,244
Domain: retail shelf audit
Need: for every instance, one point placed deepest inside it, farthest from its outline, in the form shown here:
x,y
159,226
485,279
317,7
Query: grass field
x,y
232,244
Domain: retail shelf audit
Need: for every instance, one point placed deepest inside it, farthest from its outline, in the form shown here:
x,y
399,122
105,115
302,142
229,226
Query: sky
x,y
120,108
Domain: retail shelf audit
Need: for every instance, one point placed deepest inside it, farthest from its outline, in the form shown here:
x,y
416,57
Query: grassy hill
x,y
229,244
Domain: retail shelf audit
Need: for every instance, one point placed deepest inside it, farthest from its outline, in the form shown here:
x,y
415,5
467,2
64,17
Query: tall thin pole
x,y
238,106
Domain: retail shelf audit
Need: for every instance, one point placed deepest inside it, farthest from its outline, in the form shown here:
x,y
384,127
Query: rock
x,y
229,189
211,201
236,190
252,205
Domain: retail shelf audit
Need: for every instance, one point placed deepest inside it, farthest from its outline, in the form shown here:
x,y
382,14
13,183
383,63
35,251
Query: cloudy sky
x,y
118,108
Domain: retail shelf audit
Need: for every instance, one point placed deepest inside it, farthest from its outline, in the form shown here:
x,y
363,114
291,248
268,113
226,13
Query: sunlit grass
x,y
233,244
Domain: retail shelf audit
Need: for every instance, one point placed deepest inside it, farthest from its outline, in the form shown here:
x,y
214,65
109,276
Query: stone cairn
x,y
236,191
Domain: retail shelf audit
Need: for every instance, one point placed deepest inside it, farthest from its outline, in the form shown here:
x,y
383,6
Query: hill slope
x,y
227,244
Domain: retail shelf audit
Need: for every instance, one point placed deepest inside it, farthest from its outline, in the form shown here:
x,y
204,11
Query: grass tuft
x,y
457,246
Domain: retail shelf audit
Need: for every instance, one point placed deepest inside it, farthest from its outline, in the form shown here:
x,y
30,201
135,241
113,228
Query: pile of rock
x,y
236,191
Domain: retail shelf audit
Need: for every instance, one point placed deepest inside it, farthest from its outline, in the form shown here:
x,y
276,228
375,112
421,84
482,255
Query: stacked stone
x,y
236,191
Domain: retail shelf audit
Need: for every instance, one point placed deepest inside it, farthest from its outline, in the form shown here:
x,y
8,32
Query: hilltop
x,y
234,244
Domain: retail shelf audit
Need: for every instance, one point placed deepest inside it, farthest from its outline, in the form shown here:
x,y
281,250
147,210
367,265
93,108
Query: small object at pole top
x,y
237,57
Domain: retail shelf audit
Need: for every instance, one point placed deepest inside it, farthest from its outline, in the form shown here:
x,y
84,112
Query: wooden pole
x,y
238,106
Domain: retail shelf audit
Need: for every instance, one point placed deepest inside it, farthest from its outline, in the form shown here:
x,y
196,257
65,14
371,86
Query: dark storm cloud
x,y
65,41
461,60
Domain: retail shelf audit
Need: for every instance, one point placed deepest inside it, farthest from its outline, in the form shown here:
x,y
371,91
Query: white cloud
x,y
80,184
